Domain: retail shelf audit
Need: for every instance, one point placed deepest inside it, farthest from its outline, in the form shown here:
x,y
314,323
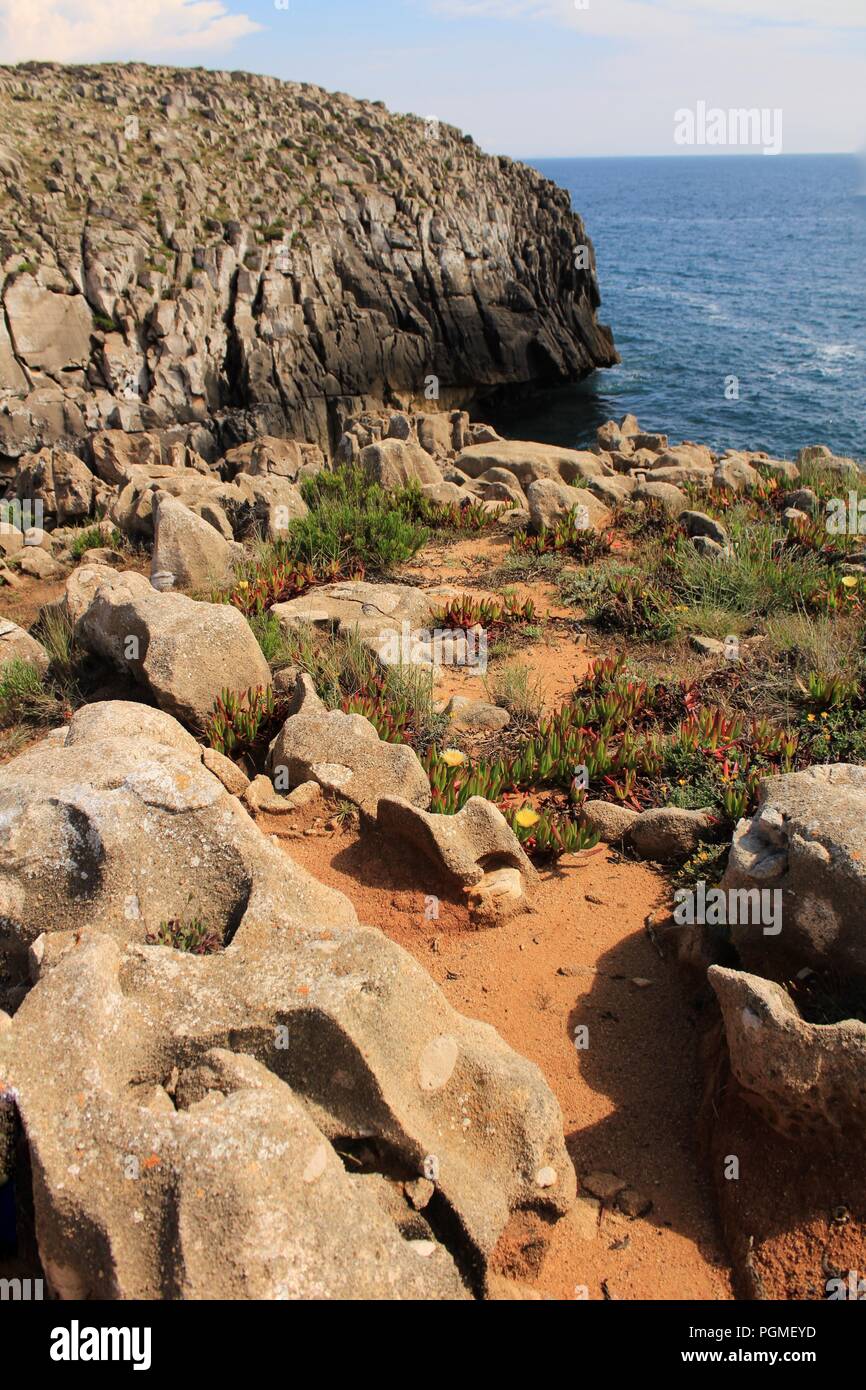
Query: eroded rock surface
x,y
807,840
149,284
240,1124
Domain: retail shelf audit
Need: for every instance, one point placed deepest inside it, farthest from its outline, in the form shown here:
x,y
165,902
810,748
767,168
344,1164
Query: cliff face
x,y
236,255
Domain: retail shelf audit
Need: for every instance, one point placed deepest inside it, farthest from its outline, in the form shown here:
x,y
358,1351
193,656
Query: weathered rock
x,y
51,332
669,832
188,547
231,776
707,646
396,462
735,474
610,822
116,454
710,549
804,1078
344,754
808,840
184,652
33,560
203,322
671,498
476,714
18,645
802,499
59,480
550,502
98,823
206,1171
612,491
530,462
380,614
498,485
699,524
467,847
270,504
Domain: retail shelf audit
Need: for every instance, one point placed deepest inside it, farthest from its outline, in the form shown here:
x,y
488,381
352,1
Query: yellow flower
x,y
452,757
810,718
527,817
243,584
849,581
824,714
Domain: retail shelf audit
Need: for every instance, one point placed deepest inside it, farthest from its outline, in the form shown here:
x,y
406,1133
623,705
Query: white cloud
x,y
68,31
635,62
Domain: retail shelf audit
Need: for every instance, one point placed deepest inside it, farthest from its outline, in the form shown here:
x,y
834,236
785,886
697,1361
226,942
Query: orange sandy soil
x,y
629,1101
555,659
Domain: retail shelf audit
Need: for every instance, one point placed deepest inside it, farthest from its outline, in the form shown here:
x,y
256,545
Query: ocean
x,y
750,267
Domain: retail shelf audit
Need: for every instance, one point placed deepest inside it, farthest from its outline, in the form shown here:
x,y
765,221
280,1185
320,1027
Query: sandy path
x,y
628,1100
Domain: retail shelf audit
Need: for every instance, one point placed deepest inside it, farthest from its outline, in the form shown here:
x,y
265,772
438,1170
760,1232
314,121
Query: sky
x,y
528,78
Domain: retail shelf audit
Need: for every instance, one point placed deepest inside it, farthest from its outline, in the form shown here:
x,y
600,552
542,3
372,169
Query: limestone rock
x,y
550,502
344,754
205,1101
699,524
183,651
469,846
395,462
610,822
201,322
18,645
669,832
530,462
187,547
378,613
804,1078
51,332
808,840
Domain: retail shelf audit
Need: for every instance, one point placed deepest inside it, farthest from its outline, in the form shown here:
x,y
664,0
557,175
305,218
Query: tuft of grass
x,y
25,698
758,579
517,689
90,538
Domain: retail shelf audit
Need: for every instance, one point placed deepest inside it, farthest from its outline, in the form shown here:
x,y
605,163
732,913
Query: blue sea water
x,y
748,266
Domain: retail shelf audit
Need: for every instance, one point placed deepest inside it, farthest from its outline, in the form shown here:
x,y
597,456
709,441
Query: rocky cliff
x,y
221,255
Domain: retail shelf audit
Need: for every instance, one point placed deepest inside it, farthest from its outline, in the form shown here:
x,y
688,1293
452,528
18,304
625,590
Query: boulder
x,y
498,485
18,645
807,839
477,715
33,560
242,1123
344,754
187,547
185,653
686,455
699,524
116,454
379,614
467,847
273,502
530,462
395,462
268,456
736,474
668,833
550,502
669,496
609,821
805,1079
59,480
